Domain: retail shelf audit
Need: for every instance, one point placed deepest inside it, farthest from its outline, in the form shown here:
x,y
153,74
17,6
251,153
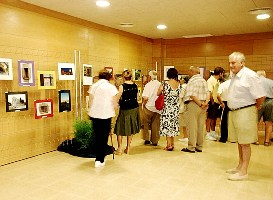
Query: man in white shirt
x,y
151,116
245,98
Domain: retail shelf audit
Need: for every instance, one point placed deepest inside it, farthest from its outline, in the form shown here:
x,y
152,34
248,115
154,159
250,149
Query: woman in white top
x,y
103,100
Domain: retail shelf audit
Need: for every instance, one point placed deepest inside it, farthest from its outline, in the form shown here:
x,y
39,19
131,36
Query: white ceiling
x,y
182,17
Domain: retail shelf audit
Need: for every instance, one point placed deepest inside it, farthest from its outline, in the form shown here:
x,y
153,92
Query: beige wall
x,y
47,40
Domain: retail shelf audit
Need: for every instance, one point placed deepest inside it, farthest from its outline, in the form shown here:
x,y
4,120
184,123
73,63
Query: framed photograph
x,y
26,73
166,68
16,101
203,71
6,69
110,70
64,101
87,74
46,80
66,71
43,108
136,75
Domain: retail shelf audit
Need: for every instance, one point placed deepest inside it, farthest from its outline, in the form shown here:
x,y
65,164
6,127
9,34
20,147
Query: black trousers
x,y
224,124
102,128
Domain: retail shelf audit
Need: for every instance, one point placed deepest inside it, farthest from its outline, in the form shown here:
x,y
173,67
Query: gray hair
x,y
238,56
195,69
153,74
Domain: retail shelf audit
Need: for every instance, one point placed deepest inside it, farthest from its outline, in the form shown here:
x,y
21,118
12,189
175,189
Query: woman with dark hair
x,y
128,121
169,119
103,100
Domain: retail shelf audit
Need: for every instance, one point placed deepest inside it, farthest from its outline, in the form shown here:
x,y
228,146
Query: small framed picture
x,y
46,80
66,71
26,73
16,101
64,101
136,74
6,69
87,74
110,70
43,108
166,68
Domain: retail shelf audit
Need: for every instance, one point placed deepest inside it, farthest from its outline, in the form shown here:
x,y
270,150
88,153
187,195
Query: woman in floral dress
x,y
169,119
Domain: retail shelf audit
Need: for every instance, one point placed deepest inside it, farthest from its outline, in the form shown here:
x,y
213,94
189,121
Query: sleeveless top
x,y
128,99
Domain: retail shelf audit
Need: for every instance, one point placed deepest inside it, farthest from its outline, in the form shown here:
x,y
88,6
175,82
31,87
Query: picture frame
x,y
6,69
64,101
26,73
87,74
136,74
46,80
203,71
110,70
43,108
16,101
66,71
166,68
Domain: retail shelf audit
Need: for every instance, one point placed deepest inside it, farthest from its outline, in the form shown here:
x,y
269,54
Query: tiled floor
x,y
147,173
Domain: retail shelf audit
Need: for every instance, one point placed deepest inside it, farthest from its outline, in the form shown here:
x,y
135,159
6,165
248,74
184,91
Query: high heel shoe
x,y
169,148
126,151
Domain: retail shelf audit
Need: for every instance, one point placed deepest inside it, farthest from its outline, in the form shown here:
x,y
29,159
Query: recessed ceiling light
x,y
161,26
263,16
194,36
102,3
126,25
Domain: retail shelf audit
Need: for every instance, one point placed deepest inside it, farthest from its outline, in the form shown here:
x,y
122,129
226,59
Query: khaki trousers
x,y
151,120
195,118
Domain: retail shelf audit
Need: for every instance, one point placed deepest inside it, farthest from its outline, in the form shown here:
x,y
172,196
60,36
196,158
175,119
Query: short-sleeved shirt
x,y
213,85
223,90
268,86
197,86
103,105
245,87
150,91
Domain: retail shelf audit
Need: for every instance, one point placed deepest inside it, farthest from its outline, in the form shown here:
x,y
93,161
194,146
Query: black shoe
x,y
187,150
147,142
223,141
155,144
271,139
198,150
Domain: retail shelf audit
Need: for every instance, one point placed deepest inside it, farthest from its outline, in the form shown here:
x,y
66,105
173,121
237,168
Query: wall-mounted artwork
x,y
6,69
203,71
166,68
43,108
66,71
46,80
136,74
26,73
16,101
87,74
110,70
64,101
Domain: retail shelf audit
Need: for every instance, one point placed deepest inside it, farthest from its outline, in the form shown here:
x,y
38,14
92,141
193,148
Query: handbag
x,y
159,102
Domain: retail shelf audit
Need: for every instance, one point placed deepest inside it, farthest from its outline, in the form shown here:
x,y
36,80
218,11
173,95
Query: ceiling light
x,y
263,16
161,26
199,35
102,3
258,11
126,25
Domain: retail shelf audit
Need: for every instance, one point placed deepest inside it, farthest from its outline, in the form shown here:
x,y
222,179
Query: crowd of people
x,y
192,105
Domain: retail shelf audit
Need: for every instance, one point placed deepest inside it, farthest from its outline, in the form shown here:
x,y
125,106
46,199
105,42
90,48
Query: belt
x,y
242,107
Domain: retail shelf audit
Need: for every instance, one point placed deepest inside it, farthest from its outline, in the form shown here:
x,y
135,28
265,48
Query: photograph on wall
x,y
136,74
6,69
64,101
16,101
66,71
203,71
166,68
110,70
46,80
43,108
87,74
26,73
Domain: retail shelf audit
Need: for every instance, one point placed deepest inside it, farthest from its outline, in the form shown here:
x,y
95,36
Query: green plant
x,y
84,133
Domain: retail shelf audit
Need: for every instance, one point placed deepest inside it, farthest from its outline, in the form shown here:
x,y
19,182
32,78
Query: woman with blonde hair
x,y
128,121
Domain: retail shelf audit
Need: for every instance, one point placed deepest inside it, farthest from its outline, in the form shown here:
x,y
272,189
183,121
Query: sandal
x,y
119,153
267,144
256,143
126,151
169,148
